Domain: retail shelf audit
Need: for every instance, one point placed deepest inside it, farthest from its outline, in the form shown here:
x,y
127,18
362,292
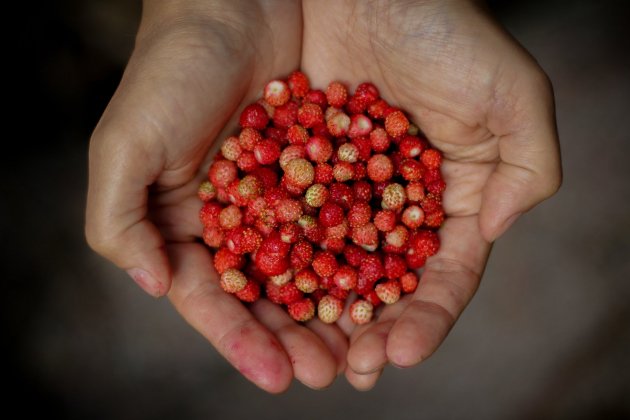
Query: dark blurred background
x,y
547,336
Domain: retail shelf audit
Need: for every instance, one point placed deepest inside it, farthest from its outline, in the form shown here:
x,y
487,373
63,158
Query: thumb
x,y
121,169
529,170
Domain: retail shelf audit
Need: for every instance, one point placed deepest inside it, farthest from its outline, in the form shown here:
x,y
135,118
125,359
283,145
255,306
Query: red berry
x,y
267,152
299,172
319,149
380,168
343,171
298,83
247,162
360,214
242,240
409,282
323,174
277,93
225,259
338,124
324,263
231,148
206,191
336,94
286,115
360,125
297,134
396,124
346,277
431,158
364,146
289,293
434,219
395,266
209,214
306,280
316,195
316,97
254,116
410,146
413,217
212,236
362,191
330,214
310,115
271,264
371,269
222,172
365,236
341,194
230,217
436,187
302,310
250,293
294,151
354,255
424,243
378,109
288,210
415,192
379,140
248,138
411,169
388,292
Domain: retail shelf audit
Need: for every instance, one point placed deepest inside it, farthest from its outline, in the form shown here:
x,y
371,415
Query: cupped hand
x,y
478,97
194,67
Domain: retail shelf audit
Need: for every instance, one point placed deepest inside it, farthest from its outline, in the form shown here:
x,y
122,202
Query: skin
x,y
476,94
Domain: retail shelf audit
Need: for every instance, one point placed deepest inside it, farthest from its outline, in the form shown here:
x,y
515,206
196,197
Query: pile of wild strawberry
x,y
320,195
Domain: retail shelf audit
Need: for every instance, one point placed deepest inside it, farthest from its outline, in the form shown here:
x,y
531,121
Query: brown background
x,y
547,336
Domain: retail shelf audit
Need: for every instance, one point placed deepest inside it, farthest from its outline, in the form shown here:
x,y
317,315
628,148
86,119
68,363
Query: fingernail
x,y
146,281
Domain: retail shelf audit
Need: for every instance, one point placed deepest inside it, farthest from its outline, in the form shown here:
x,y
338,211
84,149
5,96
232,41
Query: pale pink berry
x,y
361,312
394,197
388,292
329,309
299,172
338,124
316,195
348,152
413,217
233,280
231,148
360,125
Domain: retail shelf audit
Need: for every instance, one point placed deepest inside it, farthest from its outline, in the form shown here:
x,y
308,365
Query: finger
x,y
530,169
449,281
362,382
313,363
335,340
224,321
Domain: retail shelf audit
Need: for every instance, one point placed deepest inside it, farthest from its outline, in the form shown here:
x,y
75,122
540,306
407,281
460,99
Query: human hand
x,y
478,97
195,65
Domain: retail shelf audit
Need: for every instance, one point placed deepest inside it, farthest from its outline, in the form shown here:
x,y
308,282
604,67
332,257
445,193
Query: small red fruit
x,y
254,116
277,93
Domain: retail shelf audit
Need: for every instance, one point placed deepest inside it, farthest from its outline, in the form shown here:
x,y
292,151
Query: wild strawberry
x,y
346,277
241,240
434,219
316,97
338,124
248,138
231,148
379,140
230,217
378,188
411,169
316,195
436,187
323,174
410,146
209,214
206,191
338,292
339,231
394,197
430,204
250,293
302,310
431,158
303,251
324,263
360,214
250,187
343,171
269,109
298,83
360,171
354,255
299,172
364,146
380,168
267,176
365,236
371,269
212,236
336,94
225,259
273,292
267,152
297,134
330,214
277,93
233,280
234,196
341,194
247,162
310,115
409,282
294,151
367,93
282,279
319,149
388,292
385,220
288,210
413,217
361,191
348,152
355,105
272,264
222,172
395,266
306,280
273,195
415,192
431,175
361,312
397,237
286,115
424,242
377,109
372,297
254,116
329,309
360,125
396,124
333,244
